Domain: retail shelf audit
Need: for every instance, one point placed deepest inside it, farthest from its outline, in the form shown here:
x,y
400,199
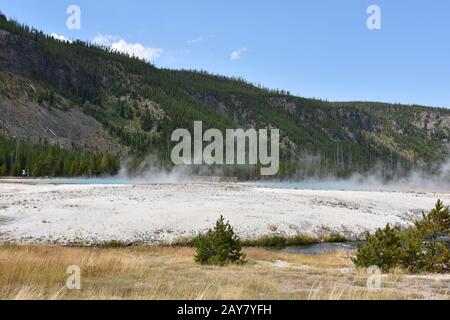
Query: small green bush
x,y
421,248
383,249
423,255
219,246
435,223
425,248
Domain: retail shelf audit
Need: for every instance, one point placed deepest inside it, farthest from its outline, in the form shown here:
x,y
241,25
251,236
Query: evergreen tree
x,y
435,223
382,249
219,246
104,163
147,122
422,248
3,169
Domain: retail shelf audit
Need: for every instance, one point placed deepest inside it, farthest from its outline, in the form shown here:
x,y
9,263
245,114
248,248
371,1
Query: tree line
x,y
46,160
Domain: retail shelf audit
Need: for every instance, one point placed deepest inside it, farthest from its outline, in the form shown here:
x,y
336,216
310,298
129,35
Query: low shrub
x,y
423,255
383,249
422,248
435,223
219,246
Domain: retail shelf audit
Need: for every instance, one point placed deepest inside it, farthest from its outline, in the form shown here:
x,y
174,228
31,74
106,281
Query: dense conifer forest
x,y
45,160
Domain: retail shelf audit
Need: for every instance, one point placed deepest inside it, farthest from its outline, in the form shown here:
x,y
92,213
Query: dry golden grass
x,y
39,272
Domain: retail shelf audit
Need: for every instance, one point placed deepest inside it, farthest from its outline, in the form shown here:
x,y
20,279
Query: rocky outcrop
x,y
62,122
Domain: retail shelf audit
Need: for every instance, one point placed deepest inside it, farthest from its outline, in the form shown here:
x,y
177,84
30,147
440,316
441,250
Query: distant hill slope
x,y
80,94
29,111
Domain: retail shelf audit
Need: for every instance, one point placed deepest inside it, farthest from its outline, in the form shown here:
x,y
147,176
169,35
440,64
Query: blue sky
x,y
313,48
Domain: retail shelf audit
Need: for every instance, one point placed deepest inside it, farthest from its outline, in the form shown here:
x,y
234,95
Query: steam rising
x,y
149,171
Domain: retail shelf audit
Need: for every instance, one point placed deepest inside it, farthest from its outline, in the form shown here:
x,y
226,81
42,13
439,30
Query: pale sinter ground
x,y
162,213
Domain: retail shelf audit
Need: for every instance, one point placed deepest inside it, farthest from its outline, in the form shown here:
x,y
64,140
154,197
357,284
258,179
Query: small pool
x,y
318,248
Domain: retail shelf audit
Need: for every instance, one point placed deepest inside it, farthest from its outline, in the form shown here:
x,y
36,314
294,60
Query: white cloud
x,y
196,40
137,50
133,49
60,38
104,39
236,54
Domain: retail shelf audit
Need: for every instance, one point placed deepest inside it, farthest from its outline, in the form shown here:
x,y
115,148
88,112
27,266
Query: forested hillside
x,y
83,97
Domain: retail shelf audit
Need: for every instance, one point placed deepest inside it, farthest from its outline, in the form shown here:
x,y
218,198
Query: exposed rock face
x,y
284,104
359,120
63,123
431,120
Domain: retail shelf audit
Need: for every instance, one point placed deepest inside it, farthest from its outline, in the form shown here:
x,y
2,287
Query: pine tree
x,y
436,222
147,122
383,249
3,169
421,248
15,170
219,246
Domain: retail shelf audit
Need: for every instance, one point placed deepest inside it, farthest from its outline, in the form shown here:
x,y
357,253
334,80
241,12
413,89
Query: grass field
x,y
39,272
